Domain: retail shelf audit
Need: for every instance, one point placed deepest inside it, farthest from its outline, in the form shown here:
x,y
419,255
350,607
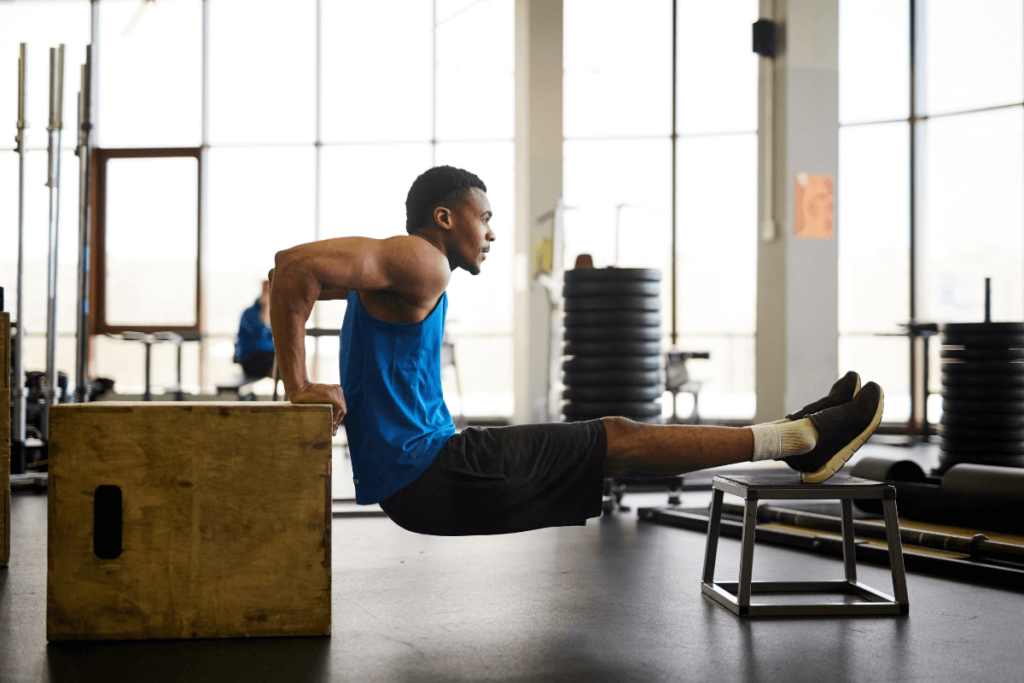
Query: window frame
x,y
98,292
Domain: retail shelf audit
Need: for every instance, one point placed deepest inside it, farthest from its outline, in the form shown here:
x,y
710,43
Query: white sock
x,y
777,440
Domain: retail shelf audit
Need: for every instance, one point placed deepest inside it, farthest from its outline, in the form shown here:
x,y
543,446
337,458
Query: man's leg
x,y
673,449
816,446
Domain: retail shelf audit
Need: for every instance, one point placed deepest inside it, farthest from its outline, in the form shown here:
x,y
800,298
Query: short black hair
x,y
438,186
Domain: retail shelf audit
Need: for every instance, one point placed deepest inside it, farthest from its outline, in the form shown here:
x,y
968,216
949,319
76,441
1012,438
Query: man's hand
x,y
324,393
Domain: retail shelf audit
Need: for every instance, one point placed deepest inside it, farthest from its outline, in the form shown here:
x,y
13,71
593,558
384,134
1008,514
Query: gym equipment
x,y
189,520
83,152
736,595
679,382
148,340
983,393
53,182
5,433
18,394
967,495
613,335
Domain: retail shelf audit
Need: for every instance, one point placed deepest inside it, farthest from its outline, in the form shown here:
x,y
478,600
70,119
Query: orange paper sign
x,y
812,195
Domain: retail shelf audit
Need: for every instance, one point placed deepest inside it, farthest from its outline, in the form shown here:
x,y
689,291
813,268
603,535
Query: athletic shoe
x,y
841,431
843,391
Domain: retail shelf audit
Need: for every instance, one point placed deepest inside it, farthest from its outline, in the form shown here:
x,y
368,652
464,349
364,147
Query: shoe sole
x,y
837,461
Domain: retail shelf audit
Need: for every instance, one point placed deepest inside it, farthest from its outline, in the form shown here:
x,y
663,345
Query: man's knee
x,y
623,441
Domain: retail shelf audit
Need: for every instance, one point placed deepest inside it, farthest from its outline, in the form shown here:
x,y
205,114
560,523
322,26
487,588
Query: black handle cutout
x,y
106,524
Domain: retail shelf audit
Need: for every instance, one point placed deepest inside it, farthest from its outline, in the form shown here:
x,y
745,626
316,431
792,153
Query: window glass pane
x,y
623,182
377,79
481,306
885,360
41,25
261,201
874,227
717,68
618,68
151,73
874,60
262,71
36,235
475,69
726,378
971,54
151,241
972,176
717,223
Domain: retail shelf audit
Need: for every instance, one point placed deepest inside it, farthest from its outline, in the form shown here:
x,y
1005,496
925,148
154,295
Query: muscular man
x,y
405,452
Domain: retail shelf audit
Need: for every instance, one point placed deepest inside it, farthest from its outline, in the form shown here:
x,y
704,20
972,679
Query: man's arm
x,y
310,272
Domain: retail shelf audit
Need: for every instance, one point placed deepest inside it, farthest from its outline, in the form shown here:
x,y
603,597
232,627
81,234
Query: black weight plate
x,y
612,274
610,408
1000,394
982,328
611,318
613,378
584,363
620,288
982,448
947,460
613,348
613,303
983,354
955,432
612,333
986,381
983,407
991,368
972,340
599,394
982,421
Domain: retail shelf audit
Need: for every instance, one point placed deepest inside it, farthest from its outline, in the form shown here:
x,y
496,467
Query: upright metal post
x,y
18,393
83,152
53,182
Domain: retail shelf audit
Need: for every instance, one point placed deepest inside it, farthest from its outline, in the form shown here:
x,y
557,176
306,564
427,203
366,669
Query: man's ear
x,y
443,217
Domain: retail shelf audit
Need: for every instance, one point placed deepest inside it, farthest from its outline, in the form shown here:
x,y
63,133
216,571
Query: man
x,y
255,351
405,453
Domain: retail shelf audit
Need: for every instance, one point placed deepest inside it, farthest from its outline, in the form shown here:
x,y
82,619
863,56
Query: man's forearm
x,y
292,295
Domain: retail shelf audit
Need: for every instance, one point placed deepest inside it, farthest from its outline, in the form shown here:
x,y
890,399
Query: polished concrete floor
x,y
617,600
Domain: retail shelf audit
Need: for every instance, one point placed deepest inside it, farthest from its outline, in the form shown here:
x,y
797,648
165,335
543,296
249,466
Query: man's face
x,y
471,232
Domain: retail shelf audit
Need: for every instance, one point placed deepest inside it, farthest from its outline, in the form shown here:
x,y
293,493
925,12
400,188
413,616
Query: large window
x,y
313,117
931,182
620,144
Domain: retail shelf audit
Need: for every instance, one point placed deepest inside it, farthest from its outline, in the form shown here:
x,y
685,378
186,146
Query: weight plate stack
x,y
982,395
613,363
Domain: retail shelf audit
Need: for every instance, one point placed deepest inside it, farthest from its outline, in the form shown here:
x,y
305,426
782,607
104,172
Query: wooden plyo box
x,y
5,439
225,520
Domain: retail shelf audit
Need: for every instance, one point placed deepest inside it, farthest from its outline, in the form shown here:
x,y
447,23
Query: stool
x,y
735,596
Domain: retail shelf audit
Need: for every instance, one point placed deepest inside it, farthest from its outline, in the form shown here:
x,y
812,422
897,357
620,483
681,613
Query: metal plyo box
x,y
189,520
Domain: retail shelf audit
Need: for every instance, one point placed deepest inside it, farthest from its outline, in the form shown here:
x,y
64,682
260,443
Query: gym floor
x,y
617,600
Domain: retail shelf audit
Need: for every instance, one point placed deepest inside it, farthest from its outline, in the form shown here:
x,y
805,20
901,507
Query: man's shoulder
x,y
417,262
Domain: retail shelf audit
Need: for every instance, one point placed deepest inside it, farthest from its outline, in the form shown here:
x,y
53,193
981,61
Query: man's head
x,y
452,204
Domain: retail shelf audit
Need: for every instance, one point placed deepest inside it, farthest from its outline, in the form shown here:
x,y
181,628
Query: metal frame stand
x,y
83,152
19,394
736,595
53,182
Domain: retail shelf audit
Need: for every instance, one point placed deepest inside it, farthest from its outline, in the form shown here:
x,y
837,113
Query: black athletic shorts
x,y
502,480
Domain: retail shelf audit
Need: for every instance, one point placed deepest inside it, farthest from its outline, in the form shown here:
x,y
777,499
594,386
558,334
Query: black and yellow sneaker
x,y
841,431
843,391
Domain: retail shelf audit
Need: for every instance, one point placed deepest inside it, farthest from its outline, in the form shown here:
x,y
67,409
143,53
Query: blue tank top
x,y
397,420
